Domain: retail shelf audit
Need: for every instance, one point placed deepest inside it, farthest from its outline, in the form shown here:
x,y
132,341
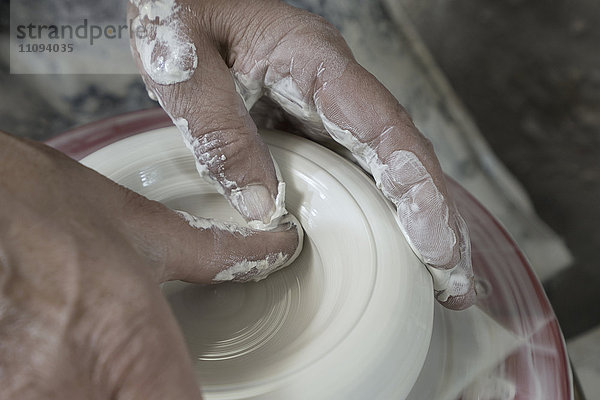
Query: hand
x,y
196,56
81,314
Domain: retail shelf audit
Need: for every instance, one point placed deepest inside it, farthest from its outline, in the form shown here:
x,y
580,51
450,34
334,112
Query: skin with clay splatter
x,y
166,51
303,65
250,184
254,268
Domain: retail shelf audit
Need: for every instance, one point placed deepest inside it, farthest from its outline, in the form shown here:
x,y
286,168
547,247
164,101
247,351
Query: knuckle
x,y
215,149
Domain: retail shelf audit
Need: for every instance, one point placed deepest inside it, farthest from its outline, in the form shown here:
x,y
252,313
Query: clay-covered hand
x,y
208,62
81,313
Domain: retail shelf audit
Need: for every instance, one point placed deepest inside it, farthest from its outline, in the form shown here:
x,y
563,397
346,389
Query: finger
x,y
242,254
455,287
382,137
311,74
182,67
199,250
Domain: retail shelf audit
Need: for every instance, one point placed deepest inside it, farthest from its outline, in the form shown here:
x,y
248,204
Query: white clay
x,y
152,95
251,270
250,90
426,227
287,94
280,210
208,223
167,53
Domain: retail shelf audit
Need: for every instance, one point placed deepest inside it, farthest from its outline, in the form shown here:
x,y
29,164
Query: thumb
x,y
185,247
233,253
201,99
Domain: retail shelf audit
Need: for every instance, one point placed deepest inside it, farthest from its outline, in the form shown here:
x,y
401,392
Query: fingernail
x,y
260,208
254,202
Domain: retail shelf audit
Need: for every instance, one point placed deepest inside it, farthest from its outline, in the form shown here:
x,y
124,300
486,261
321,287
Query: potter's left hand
x,y
209,61
81,313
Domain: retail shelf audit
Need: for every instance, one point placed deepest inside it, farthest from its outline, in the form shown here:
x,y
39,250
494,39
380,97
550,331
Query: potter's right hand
x,y
208,61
